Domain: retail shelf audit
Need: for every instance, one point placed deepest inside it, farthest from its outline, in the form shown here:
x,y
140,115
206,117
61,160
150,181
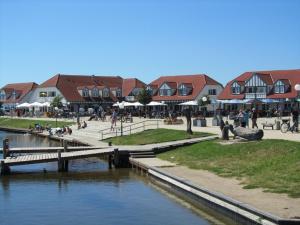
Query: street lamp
x,y
55,109
121,107
204,100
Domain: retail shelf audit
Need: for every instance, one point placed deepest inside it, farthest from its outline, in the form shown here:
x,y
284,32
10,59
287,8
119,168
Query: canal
x,y
88,194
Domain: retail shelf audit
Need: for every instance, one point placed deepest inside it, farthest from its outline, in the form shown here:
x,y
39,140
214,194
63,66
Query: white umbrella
x,y
35,104
128,104
46,104
23,105
153,103
137,104
191,103
116,104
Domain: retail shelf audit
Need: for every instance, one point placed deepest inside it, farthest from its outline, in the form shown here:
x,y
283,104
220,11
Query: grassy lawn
x,y
23,123
270,164
154,136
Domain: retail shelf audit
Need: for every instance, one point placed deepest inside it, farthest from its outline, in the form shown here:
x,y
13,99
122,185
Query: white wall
x,y
204,92
35,95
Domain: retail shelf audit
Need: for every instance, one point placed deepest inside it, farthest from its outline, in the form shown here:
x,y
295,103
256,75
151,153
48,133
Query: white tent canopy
x,y
137,104
46,104
23,105
153,103
191,103
35,104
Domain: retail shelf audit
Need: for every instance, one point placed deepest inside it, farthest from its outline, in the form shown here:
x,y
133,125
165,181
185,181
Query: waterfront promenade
x,y
276,204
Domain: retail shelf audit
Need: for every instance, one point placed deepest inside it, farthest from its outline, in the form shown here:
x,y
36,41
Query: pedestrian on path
x,y
254,118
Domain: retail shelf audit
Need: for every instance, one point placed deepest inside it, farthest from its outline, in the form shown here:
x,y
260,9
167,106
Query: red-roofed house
x,y
263,85
181,88
80,90
131,88
16,93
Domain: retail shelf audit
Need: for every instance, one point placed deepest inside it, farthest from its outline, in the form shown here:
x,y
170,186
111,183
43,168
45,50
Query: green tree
x,y
144,96
56,102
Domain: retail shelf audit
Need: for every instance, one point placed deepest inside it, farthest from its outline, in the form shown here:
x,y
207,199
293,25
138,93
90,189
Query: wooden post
x,y
60,161
4,168
116,157
66,162
110,161
6,148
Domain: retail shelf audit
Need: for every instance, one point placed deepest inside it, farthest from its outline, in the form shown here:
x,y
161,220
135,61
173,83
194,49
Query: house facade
x,y
265,88
13,94
80,91
131,88
173,90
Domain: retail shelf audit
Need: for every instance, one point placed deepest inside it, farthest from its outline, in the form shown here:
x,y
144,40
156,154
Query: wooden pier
x,y
117,155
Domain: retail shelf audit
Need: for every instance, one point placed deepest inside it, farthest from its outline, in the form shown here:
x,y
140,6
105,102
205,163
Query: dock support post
x,y
60,161
66,162
121,159
110,161
5,168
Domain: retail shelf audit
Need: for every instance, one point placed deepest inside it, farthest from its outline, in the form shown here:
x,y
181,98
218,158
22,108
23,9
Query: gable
x,y
256,81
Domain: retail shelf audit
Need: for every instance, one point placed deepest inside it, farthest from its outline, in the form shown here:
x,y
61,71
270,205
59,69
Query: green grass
x,y
154,136
24,123
273,165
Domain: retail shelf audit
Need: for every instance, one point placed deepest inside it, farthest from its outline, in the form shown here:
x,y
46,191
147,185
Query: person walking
x,y
295,117
254,118
113,120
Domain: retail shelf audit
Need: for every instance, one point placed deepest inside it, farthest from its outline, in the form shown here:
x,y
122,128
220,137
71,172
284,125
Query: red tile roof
x,y
129,84
69,84
21,89
198,82
292,75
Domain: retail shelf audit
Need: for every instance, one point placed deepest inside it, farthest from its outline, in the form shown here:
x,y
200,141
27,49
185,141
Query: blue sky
x,y
146,39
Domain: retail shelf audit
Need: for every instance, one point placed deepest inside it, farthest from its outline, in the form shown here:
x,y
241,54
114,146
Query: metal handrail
x,y
130,127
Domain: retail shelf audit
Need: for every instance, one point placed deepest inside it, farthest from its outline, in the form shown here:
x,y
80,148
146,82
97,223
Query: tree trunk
x,y
188,121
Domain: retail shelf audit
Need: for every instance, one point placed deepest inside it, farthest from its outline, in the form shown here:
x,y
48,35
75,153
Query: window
x,y
119,93
105,92
51,94
183,90
212,92
165,90
95,92
235,88
279,87
14,95
149,89
2,96
43,94
85,92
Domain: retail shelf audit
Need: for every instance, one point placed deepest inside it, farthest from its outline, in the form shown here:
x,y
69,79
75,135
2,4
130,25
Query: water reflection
x,y
88,194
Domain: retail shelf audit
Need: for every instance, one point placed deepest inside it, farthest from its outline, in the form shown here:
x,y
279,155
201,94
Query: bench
x,y
266,124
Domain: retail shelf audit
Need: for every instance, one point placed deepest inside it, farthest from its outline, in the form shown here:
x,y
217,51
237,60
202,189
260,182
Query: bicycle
x,y
286,126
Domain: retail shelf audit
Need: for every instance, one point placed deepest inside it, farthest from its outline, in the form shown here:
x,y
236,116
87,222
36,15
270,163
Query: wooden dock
x,y
117,155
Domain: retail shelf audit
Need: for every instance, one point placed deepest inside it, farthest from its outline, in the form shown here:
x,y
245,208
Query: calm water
x,y
89,194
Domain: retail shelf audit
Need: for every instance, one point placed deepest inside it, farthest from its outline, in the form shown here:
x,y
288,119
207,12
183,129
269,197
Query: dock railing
x,y
129,129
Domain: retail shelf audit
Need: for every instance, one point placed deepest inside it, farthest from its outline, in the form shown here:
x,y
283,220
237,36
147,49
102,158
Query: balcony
x,y
255,95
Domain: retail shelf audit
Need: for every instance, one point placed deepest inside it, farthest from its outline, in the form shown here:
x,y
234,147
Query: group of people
x,y
59,131
244,116
81,126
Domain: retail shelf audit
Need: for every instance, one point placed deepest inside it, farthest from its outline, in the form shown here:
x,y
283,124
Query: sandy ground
x,y
277,204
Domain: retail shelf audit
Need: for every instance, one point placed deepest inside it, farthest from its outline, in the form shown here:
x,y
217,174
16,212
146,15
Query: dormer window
x,y
184,89
105,92
235,88
279,87
14,95
165,90
85,92
95,92
119,93
2,96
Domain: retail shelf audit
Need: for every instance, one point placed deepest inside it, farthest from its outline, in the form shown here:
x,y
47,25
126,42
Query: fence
x,y
129,129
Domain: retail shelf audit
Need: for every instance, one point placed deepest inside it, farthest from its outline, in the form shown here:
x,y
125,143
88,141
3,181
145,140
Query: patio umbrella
x,y
116,104
23,105
137,104
153,103
269,100
46,104
35,104
191,103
